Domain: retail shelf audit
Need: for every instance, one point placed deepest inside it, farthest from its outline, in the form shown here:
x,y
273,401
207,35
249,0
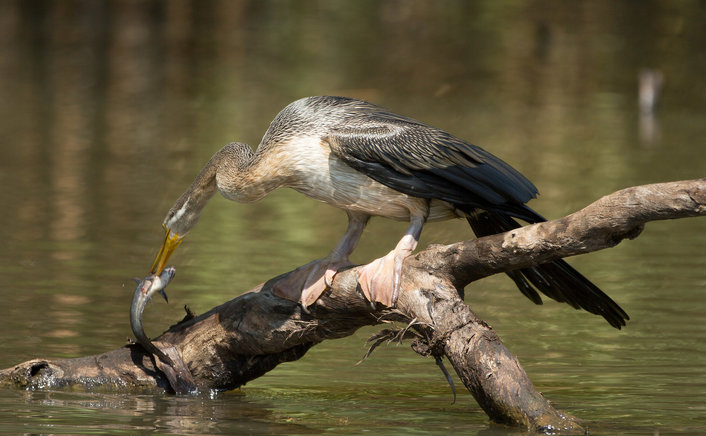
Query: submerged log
x,y
248,336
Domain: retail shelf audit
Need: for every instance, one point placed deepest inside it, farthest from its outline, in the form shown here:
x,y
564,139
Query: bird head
x,y
179,220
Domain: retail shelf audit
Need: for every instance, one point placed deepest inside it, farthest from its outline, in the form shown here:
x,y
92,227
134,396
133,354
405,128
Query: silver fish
x,y
143,293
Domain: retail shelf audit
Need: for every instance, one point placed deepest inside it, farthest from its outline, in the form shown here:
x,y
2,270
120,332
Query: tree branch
x,y
602,224
250,335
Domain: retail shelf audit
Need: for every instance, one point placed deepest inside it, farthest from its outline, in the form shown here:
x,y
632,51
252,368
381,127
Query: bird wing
x,y
422,161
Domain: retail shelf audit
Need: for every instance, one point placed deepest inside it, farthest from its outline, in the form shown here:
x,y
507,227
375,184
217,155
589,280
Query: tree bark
x,y
244,338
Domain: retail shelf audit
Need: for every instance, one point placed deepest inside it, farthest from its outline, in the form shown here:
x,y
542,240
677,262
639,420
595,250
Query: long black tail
x,y
557,280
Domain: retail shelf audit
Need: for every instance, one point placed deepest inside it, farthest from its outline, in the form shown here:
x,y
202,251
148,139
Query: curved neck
x,y
236,172
244,176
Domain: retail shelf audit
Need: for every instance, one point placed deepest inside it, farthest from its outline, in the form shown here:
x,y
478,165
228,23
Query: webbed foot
x,y
306,283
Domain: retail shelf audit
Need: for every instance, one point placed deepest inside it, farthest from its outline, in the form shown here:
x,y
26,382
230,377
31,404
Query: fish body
x,y
143,293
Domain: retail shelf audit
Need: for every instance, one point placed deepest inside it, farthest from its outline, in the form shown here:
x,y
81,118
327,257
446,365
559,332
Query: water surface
x,y
109,109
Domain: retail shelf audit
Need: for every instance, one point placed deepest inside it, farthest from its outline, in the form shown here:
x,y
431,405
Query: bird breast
x,y
320,174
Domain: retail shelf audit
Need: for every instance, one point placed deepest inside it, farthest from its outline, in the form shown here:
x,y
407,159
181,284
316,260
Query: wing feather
x,y
426,162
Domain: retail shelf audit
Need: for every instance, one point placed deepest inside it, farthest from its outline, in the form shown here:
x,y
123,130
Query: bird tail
x,y
558,280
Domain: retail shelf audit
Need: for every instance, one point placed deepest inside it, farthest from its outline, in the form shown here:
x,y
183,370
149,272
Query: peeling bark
x,y
245,338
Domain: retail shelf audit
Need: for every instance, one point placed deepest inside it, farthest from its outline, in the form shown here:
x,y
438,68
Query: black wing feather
x,y
425,162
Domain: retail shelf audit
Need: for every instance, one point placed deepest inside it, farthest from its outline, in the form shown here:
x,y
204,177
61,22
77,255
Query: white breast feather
x,y
320,175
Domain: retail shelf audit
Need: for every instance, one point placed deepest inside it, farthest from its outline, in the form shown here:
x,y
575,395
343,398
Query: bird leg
x,y
380,279
306,283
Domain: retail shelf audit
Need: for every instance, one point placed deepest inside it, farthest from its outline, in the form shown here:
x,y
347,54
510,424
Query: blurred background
x,y
108,110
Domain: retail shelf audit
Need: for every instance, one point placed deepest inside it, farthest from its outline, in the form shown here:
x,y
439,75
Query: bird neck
x,y
243,175
236,172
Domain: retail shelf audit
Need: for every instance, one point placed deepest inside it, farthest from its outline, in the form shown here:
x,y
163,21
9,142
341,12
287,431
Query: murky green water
x,y
108,110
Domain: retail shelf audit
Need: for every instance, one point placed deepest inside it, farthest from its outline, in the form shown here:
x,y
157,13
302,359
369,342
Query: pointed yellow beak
x,y
171,242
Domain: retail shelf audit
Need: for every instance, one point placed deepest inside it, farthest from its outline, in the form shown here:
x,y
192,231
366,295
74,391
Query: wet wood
x,y
245,338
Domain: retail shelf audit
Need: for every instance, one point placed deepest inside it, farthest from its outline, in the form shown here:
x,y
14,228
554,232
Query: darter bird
x,y
368,161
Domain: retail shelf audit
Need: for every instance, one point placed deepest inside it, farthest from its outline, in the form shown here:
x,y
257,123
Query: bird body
x,y
369,161
307,165
309,147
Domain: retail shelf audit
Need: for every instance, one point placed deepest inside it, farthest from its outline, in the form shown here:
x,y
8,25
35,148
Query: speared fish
x,y
143,293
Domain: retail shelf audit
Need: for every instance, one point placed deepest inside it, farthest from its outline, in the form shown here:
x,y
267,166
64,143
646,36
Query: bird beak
x,y
171,242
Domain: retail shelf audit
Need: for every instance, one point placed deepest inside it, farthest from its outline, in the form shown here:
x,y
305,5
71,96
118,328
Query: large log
x,y
244,338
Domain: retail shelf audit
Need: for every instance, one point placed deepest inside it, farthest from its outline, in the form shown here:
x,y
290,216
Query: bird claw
x,y
305,309
306,284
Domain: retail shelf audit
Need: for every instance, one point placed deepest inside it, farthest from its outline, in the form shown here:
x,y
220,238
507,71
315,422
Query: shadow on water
x,y
108,110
